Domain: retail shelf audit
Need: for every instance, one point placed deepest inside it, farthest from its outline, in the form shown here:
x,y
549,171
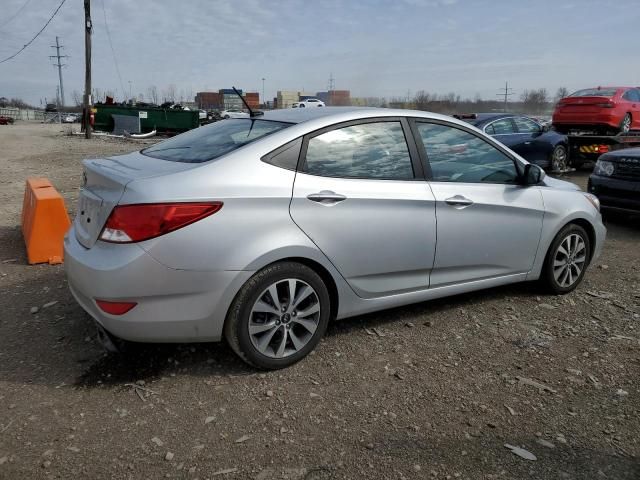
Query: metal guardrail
x,y
27,114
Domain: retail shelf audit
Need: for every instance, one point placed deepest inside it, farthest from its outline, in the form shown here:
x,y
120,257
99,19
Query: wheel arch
x,y
328,277
581,222
589,228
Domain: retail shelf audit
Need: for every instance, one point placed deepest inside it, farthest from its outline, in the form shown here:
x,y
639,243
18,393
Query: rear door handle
x,y
527,143
326,197
459,201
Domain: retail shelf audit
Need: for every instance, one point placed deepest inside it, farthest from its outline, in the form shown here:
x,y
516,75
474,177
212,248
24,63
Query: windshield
x,y
595,92
213,141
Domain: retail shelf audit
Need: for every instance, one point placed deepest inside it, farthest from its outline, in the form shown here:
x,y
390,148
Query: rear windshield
x,y
595,92
212,141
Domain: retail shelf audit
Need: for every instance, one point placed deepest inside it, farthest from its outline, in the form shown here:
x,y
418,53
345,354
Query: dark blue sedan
x,y
525,136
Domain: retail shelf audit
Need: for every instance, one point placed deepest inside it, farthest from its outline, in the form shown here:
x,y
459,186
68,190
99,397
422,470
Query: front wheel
x,y
279,316
559,159
567,260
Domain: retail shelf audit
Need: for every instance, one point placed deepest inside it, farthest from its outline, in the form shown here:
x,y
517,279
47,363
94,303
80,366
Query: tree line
x,y
535,101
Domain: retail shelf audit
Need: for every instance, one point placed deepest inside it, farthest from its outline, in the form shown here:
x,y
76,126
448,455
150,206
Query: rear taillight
x,y
134,223
115,308
605,105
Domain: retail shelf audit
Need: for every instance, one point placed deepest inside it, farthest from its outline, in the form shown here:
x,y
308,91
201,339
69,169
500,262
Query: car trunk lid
x,y
104,181
591,104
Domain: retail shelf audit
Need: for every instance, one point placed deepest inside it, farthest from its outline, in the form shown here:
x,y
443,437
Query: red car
x,y
610,110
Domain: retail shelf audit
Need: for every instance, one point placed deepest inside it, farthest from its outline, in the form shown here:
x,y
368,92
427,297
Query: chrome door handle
x,y
458,201
326,197
527,143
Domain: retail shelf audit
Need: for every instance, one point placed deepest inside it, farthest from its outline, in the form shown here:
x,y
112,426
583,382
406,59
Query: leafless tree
x,y
77,98
171,93
534,101
152,93
422,100
560,94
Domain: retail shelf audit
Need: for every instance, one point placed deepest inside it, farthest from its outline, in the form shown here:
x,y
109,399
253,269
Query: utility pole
x,y
332,83
507,93
264,100
129,90
88,28
59,64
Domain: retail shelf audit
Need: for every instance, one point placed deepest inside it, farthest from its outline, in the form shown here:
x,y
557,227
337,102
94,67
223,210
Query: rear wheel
x,y
559,159
625,125
567,259
279,316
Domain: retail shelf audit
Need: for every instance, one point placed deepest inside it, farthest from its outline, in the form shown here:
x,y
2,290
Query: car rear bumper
x,y
580,119
616,194
172,305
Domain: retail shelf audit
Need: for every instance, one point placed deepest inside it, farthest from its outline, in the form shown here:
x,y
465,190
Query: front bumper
x,y
172,305
616,194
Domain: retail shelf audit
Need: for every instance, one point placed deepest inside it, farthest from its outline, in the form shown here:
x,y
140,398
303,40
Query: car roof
x,y
339,114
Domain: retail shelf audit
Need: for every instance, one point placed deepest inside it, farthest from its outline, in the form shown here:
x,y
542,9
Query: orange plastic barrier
x,y
44,221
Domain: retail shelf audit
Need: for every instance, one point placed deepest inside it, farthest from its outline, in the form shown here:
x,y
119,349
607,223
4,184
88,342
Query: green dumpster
x,y
164,120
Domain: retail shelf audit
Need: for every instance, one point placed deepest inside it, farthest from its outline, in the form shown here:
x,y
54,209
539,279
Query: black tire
x,y
548,278
559,159
236,328
625,125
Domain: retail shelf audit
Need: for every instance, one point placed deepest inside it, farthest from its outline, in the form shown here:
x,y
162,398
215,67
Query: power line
x,y
36,35
15,14
113,52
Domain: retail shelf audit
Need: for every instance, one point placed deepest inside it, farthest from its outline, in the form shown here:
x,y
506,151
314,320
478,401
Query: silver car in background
x,y
263,229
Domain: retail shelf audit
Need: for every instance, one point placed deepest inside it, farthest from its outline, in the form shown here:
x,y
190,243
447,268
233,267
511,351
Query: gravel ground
x,y
434,390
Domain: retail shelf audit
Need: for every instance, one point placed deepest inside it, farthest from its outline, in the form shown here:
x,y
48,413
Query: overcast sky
x,y
372,47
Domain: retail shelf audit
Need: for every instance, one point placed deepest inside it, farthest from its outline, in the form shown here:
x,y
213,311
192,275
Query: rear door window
x,y
212,141
375,150
526,125
504,126
632,95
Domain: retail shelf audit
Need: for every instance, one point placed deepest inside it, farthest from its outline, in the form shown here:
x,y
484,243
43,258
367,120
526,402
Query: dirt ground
x,y
434,390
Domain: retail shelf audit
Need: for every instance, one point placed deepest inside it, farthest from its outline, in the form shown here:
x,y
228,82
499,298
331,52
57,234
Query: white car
x,y
309,102
234,114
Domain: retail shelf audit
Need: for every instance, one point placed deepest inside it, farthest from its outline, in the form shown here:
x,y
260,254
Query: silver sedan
x,y
264,229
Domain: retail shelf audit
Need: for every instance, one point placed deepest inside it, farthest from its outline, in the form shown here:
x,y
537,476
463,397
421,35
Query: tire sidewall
x,y
553,156
250,294
560,237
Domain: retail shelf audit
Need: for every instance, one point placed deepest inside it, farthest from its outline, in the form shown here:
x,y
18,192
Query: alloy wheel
x,y
569,260
284,318
559,159
626,124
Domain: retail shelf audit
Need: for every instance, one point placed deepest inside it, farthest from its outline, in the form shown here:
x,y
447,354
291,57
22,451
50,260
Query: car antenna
x,y
252,113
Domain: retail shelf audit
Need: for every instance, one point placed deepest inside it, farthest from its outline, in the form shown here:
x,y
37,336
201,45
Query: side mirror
x,y
546,127
533,174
